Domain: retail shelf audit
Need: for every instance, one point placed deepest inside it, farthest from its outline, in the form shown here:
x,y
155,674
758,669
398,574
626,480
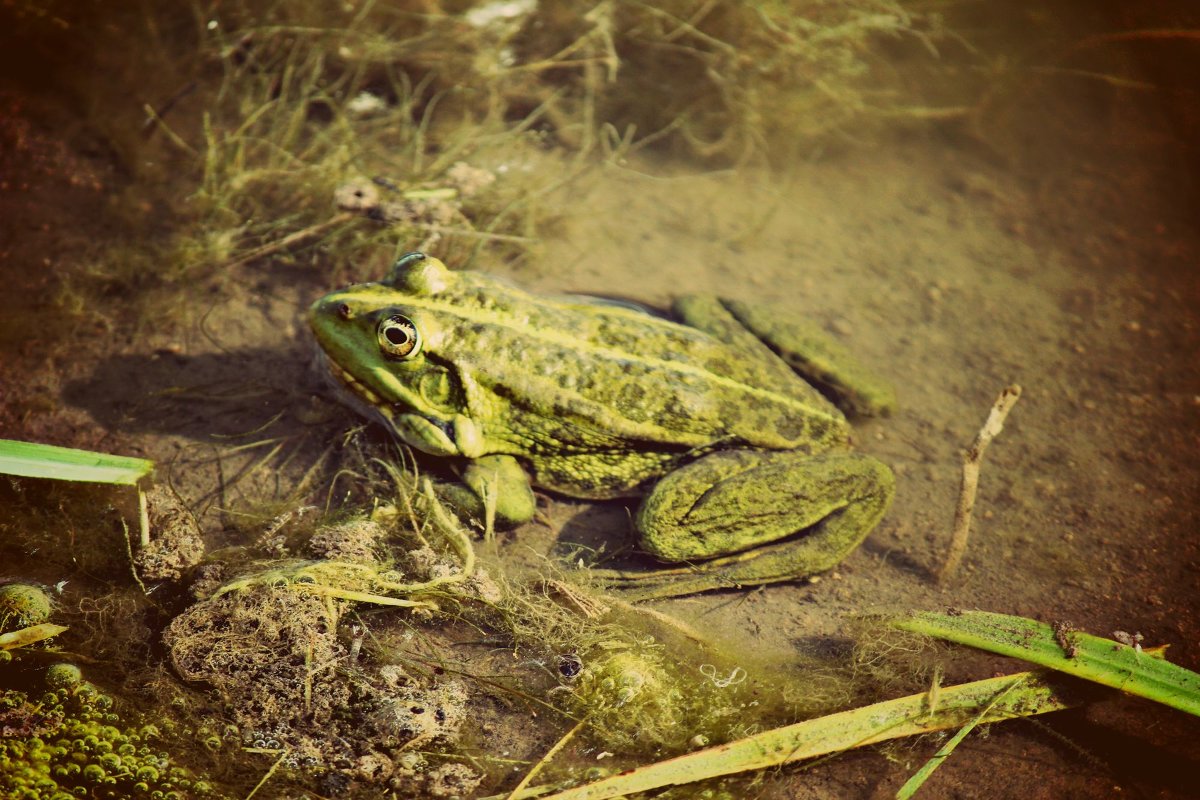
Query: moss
x,y
67,743
63,676
23,605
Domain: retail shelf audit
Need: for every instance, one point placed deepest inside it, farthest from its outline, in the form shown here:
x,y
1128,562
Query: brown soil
x,y
1049,239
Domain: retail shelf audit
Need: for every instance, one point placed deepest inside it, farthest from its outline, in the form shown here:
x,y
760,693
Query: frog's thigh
x,y
804,346
504,479
740,500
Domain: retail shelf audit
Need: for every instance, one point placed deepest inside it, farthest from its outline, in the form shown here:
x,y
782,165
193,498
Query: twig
x,y
133,564
970,479
153,118
1131,36
143,518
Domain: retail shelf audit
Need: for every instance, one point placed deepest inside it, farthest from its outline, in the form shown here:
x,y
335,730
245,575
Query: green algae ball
x,y
63,676
22,605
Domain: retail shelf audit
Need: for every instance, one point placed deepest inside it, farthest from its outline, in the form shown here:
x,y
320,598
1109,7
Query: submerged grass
x,y
1121,665
285,103
991,700
33,460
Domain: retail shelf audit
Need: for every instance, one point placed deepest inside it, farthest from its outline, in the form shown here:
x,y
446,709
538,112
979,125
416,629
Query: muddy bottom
x,y
1057,251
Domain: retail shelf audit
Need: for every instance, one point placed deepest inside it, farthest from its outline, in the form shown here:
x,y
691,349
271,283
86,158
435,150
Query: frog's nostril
x,y
343,311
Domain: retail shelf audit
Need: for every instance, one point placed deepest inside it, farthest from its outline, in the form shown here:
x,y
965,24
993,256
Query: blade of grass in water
x,y
31,460
991,700
913,784
1062,648
27,636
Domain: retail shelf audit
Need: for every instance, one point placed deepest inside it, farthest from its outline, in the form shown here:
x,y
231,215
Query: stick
x,y
970,479
282,755
143,519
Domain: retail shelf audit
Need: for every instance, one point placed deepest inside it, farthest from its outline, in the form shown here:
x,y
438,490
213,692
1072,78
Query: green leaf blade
x,y
1092,658
32,460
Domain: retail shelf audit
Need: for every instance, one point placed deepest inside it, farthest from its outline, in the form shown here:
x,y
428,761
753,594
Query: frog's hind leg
x,y
802,345
771,516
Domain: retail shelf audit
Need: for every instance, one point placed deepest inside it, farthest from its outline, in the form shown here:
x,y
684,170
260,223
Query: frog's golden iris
x,y
398,337
743,465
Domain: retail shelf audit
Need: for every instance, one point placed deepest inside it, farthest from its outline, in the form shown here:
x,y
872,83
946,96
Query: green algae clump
x,y
23,605
68,743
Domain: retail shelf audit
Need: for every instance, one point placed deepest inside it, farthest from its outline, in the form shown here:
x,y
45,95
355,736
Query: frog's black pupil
x,y
397,336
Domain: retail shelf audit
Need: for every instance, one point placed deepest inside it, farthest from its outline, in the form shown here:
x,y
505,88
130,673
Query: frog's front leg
x,y
769,516
498,482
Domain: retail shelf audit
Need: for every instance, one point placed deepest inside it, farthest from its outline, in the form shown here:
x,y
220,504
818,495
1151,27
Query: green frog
x,y
744,467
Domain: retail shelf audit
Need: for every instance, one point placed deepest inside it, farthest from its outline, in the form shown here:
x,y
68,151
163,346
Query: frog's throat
x,y
454,437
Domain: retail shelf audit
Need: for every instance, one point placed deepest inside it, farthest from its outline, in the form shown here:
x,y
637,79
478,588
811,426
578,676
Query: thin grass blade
x,y
919,777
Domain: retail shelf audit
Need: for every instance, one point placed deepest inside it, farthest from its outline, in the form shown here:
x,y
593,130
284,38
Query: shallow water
x,y
1048,239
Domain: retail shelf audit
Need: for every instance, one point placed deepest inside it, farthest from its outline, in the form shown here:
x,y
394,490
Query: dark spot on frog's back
x,y
631,395
617,334
798,428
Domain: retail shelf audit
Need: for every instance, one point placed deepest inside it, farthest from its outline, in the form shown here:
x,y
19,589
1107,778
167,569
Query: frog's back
x,y
578,374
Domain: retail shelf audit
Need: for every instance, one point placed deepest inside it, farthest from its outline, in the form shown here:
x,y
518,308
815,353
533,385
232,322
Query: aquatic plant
x,y
68,742
1119,662
991,700
314,100
23,605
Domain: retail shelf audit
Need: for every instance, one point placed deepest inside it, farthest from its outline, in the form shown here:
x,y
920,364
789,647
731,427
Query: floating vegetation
x,y
60,736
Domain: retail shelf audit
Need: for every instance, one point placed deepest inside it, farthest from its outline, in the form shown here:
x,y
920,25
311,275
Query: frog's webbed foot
x,y
769,517
806,348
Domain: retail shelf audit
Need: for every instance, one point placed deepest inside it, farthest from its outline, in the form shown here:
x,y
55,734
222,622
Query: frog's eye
x,y
398,337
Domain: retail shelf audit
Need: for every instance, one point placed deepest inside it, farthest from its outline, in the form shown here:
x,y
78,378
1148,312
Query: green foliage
x,y
1121,665
34,460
